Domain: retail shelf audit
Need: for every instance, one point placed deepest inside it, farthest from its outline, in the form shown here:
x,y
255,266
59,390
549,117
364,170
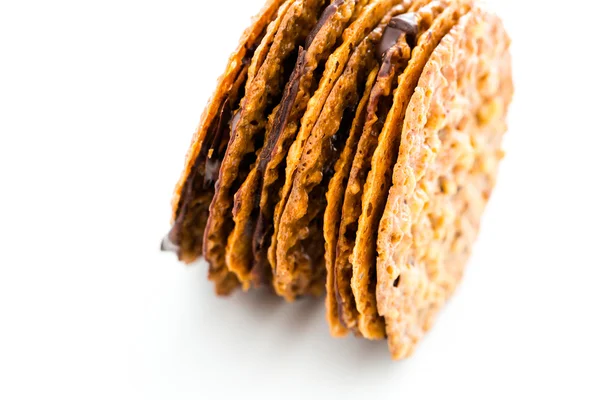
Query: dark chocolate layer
x,y
405,24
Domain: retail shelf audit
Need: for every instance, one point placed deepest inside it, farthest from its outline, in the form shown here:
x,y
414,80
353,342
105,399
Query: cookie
x,y
405,31
274,176
394,52
299,245
378,159
195,189
364,24
264,47
248,129
300,239
444,175
247,203
331,218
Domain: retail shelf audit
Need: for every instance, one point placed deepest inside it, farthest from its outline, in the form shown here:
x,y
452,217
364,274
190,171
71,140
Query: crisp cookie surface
x,y
446,170
300,242
265,87
191,198
264,47
435,20
335,197
254,202
380,106
239,251
386,77
369,18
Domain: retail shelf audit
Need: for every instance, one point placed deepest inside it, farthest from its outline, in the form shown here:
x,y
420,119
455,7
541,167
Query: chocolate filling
x,y
398,26
338,141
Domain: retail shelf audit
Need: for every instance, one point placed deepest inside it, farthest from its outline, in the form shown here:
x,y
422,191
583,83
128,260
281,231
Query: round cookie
x,y
435,21
446,169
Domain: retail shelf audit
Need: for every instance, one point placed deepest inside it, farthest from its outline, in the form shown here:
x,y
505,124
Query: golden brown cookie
x,y
319,43
378,158
449,154
264,47
248,129
370,17
335,196
284,134
300,243
360,5
395,53
400,35
195,189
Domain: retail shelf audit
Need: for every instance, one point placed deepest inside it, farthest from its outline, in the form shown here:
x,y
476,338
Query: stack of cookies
x,y
350,149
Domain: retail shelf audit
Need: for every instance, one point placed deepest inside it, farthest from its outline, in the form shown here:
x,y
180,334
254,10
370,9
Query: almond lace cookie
x,y
350,149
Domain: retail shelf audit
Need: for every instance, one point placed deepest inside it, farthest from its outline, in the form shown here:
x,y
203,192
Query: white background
x,y
98,101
